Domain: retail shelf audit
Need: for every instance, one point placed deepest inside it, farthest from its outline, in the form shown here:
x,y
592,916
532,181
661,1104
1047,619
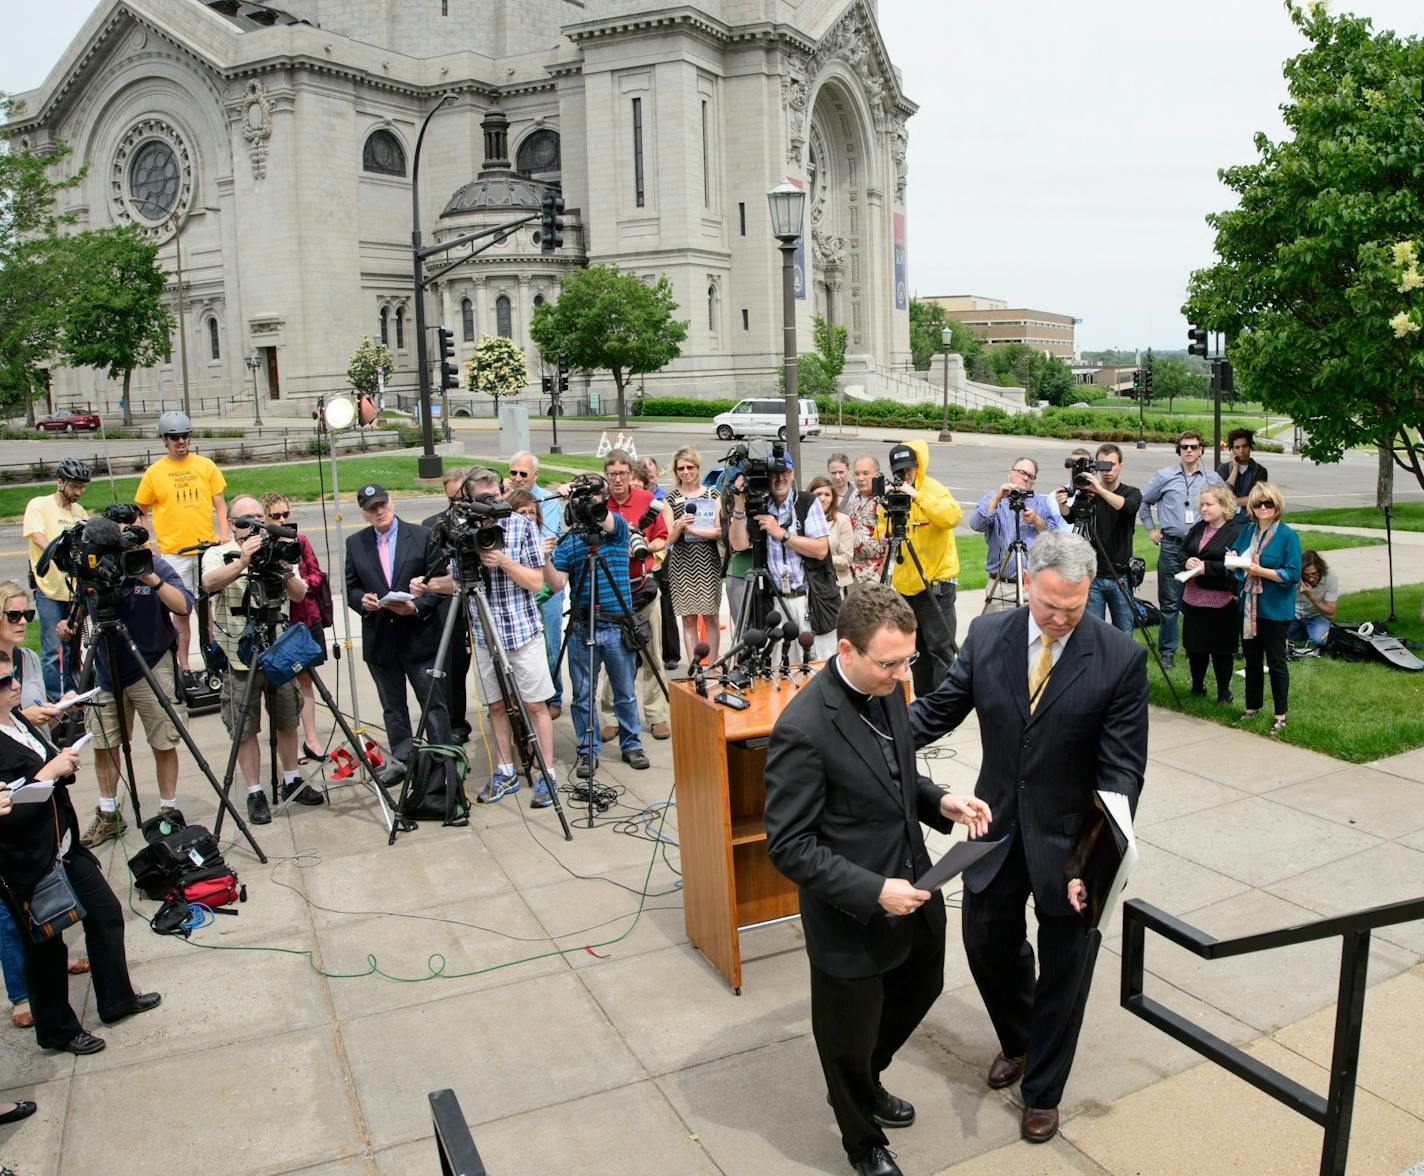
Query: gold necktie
x,y
1039,674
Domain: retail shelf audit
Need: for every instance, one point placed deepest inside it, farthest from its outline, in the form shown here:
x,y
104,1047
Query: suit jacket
x,y
1040,769
27,835
1214,577
837,825
386,638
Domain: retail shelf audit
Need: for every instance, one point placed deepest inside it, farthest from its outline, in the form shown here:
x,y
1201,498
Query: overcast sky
x,y
1064,154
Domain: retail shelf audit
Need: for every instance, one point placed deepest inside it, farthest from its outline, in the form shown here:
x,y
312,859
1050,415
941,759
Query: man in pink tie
x,y
400,635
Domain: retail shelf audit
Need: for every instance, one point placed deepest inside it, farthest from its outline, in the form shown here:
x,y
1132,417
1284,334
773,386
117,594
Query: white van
x,y
765,418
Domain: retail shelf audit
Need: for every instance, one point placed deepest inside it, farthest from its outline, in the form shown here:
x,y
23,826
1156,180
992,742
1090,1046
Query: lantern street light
x,y
787,203
253,362
946,336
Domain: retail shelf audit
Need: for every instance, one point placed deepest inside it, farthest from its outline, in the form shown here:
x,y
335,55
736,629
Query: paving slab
x,y
1252,763
31,1146
1383,874
1364,798
1256,841
1169,791
1168,730
1408,765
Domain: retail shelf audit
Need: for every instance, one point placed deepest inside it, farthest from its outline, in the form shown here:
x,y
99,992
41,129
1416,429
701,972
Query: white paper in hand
x,y
66,703
395,596
1183,577
32,793
1237,560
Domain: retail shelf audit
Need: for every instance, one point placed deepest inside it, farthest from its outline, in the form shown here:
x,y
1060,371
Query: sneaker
x,y
637,759
585,766
105,827
258,810
497,789
1169,660
543,795
661,731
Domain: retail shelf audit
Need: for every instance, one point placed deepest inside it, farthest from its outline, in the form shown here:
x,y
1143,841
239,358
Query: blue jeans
x,y
50,613
12,957
551,612
1170,557
1104,596
620,664
1312,629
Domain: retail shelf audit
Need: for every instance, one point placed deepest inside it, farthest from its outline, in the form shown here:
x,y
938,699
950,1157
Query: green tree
x,y
32,289
927,320
115,319
497,367
1171,378
604,318
1308,283
830,340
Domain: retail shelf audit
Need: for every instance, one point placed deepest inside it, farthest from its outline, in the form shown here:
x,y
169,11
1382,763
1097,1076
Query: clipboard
x,y
1103,856
961,855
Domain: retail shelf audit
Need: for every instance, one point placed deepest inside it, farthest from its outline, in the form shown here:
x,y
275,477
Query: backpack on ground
x,y
436,790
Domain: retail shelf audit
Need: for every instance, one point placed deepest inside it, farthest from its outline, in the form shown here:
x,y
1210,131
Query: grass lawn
x,y
1354,711
1406,516
299,481
1191,405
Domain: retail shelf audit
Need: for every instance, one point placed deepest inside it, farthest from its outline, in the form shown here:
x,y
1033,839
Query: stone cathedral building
x,y
271,152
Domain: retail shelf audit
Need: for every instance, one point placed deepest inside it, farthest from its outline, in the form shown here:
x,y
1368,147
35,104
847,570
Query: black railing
x,y
1333,1111
458,1154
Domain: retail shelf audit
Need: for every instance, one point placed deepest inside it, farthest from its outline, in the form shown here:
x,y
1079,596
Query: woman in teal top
x,y
1268,587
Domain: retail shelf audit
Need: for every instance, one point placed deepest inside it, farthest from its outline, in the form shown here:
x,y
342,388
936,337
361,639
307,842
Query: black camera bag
x,y
162,865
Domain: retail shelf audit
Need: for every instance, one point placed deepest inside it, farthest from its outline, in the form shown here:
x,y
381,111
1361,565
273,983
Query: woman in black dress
x,y
1211,621
30,837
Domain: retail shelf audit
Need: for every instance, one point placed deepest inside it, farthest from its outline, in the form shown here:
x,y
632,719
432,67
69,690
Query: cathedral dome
x,y
501,192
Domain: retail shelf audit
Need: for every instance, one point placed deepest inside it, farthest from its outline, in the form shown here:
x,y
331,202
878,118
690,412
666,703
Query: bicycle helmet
x,y
174,422
71,469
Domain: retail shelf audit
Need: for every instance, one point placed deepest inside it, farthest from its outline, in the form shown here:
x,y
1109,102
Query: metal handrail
x,y
1334,1110
453,1141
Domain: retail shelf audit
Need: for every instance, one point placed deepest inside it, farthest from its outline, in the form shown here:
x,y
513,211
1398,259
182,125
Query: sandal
x,y
1278,725
22,1018
1247,716
79,965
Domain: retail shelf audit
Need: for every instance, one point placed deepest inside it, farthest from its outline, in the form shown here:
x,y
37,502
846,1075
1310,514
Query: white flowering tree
x,y
497,367
370,367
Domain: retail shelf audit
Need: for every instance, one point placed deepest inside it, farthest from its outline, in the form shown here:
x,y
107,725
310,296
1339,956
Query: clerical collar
x,y
855,693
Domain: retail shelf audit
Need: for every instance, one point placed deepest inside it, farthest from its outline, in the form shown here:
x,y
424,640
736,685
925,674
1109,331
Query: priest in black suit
x,y
399,639
844,804
1062,703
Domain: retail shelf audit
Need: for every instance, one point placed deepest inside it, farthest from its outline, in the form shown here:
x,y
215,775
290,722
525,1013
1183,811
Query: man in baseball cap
x,y
371,494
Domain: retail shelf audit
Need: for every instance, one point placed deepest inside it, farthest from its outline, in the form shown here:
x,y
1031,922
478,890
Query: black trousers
x,y
390,688
1221,667
1042,1016
47,964
1269,645
935,634
456,676
859,1024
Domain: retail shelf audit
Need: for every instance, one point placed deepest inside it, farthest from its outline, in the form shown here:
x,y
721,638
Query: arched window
x,y
214,347
503,321
400,328
538,301
712,309
383,155
539,154
385,326
467,320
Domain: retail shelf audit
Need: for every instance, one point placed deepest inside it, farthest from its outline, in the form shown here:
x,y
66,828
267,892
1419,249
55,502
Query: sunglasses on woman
x,y
279,514
7,680
16,615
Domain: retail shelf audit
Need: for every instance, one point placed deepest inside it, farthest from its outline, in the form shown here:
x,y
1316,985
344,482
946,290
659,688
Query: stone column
x,y
480,309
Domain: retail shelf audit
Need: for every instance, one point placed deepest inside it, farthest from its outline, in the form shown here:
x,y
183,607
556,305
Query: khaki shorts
x,y
284,703
530,666
102,718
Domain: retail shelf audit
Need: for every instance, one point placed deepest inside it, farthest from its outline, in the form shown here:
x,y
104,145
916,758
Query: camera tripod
x,y
898,542
996,594
109,629
471,586
593,568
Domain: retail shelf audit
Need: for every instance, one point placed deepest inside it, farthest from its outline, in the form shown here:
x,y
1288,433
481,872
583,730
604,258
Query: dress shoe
x,y
661,731
891,1111
1004,1071
877,1162
609,733
637,759
142,1002
21,1110
1039,1126
555,710
83,1043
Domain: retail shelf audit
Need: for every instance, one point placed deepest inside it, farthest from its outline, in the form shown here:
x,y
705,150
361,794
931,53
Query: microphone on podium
x,y
807,640
699,680
789,637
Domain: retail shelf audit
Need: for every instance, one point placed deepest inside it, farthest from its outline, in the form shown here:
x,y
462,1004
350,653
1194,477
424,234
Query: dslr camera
x,y
103,551
587,507
1082,467
279,552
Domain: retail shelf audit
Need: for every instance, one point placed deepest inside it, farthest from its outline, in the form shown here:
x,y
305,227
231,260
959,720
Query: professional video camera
x,y
1017,498
278,553
1082,467
103,551
587,506
754,464
471,526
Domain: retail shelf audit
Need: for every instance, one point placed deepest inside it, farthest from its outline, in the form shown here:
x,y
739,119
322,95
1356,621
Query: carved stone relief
x,y
257,126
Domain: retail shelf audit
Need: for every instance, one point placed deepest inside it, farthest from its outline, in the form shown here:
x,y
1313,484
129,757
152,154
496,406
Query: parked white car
x,y
766,418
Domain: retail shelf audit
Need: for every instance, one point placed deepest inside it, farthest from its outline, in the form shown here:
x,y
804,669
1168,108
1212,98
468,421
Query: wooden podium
x,y
719,756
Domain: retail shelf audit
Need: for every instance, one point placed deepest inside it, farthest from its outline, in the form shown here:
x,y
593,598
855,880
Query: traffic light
x,y
1147,383
1136,383
1196,341
551,222
546,383
563,372
449,373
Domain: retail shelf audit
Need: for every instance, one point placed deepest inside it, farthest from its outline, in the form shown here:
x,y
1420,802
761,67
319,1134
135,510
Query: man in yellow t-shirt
x,y
179,495
46,518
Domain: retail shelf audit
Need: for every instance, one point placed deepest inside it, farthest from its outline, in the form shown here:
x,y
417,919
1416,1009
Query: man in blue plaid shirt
x,y
513,575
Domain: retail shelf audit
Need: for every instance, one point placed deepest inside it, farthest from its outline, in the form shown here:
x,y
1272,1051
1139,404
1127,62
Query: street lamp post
x,y
946,336
788,209
182,327
254,361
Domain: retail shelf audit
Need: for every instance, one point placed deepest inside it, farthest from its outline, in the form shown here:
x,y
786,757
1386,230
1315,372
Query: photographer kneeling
x,y
242,576
1104,509
513,569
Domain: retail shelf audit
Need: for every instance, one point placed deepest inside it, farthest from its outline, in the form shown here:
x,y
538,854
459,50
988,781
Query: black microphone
x,y
773,633
789,637
752,639
699,679
102,532
807,640
699,651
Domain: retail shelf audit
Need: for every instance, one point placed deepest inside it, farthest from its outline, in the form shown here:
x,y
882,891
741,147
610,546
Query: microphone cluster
x,y
754,656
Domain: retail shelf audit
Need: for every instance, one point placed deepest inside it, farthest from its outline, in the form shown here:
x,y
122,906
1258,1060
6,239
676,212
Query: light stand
x,y
787,202
253,362
946,336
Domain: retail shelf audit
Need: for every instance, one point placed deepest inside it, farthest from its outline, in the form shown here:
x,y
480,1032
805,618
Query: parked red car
x,y
65,421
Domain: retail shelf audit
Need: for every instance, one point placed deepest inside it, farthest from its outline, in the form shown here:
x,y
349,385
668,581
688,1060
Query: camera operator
x,y
315,612
523,475
147,605
929,528
1099,504
647,521
796,532
514,574
993,517
46,518
457,672
592,524
228,573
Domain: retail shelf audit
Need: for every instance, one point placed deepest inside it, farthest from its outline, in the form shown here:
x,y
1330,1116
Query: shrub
x,y
681,406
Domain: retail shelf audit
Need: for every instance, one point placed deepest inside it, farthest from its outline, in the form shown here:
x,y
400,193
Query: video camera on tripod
x,y
754,464
587,507
1083,468
470,528
103,551
278,553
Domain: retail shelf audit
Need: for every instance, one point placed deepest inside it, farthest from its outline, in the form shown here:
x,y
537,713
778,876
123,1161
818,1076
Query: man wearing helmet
x,y
179,495
46,518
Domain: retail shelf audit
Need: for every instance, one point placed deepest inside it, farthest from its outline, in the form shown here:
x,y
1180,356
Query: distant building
x,y
999,324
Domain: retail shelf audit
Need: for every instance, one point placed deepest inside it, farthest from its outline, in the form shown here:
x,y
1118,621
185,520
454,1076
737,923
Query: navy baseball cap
x,y
371,494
